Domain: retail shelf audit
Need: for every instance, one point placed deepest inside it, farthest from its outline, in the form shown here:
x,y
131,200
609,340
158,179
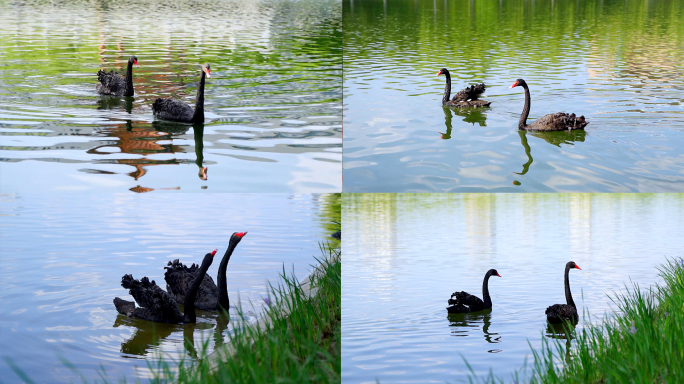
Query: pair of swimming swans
x,y
190,286
558,121
111,83
463,302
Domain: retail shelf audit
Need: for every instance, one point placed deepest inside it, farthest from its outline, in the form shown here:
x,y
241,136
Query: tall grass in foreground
x,y
643,343
300,344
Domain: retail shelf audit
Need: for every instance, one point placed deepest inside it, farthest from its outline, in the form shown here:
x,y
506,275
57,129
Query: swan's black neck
x,y
485,290
447,88
568,295
191,294
222,286
526,110
198,116
128,91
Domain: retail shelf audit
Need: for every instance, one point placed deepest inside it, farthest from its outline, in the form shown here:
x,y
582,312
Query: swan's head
x,y
493,272
213,253
572,265
203,173
133,60
237,236
520,82
207,69
443,71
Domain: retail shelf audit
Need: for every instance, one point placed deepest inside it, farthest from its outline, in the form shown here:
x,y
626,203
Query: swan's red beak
x,y
439,73
208,72
514,85
204,173
240,234
577,266
135,62
498,274
214,252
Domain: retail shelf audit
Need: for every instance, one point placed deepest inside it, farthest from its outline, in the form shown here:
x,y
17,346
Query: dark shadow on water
x,y
553,138
467,321
470,115
199,150
148,335
561,137
562,332
528,152
222,321
114,102
171,127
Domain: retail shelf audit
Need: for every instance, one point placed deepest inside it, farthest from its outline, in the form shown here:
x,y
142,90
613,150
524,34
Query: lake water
x,y
618,63
273,104
405,254
63,257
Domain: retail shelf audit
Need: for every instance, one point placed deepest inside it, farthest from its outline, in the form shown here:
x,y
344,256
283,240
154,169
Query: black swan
x,y
464,302
558,313
155,304
552,122
179,279
113,84
176,110
464,98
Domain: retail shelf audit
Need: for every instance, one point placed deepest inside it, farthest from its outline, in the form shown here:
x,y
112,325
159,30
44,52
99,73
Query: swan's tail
x,y
124,307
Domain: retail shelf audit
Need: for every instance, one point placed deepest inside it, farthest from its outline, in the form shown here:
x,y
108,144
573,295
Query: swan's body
x,y
559,121
176,110
464,98
111,83
558,313
155,304
179,279
464,302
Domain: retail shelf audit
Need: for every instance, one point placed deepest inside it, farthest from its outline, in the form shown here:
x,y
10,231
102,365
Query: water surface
x,y
63,257
272,106
618,63
405,254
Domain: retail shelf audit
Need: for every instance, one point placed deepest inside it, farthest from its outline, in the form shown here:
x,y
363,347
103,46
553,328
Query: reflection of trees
x,y
330,215
637,38
139,141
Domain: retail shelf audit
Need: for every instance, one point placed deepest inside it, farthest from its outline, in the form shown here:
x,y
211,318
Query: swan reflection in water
x,y
147,335
115,102
180,129
471,115
555,138
473,320
563,331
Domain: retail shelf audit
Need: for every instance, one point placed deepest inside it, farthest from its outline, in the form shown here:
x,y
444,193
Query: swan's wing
x,y
465,298
179,279
471,92
172,109
558,122
561,311
111,82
